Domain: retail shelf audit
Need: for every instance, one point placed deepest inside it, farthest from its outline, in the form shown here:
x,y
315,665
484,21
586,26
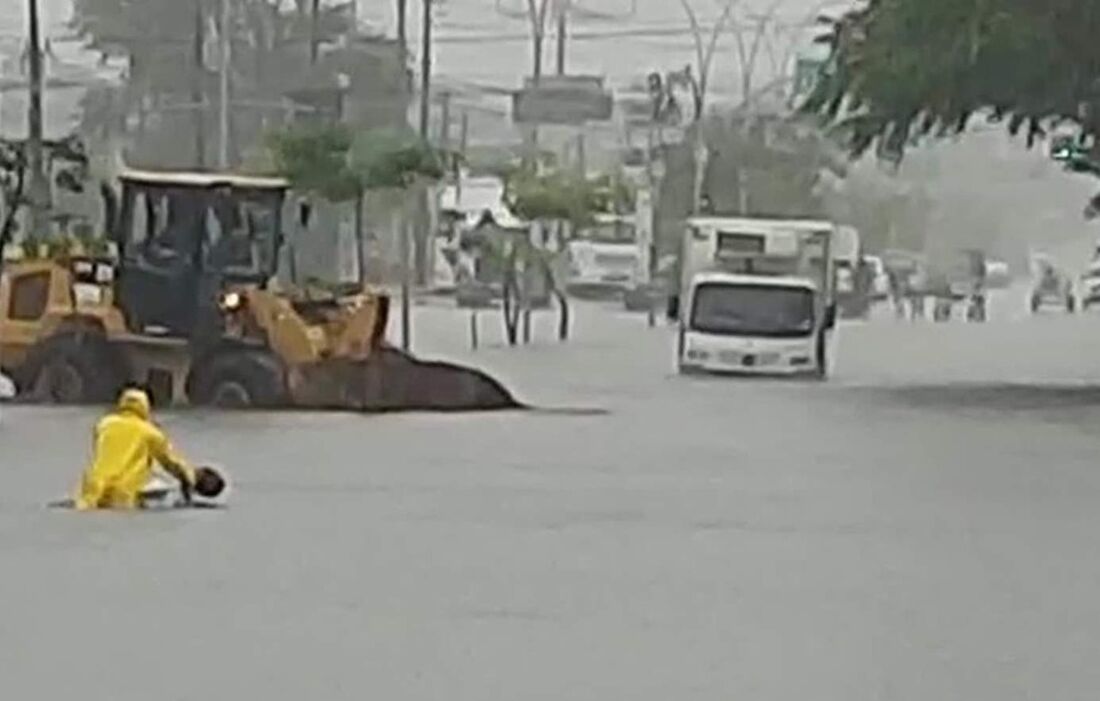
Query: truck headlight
x,y
697,354
231,301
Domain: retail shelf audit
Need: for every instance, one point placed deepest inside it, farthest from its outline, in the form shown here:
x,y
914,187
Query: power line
x,y
589,35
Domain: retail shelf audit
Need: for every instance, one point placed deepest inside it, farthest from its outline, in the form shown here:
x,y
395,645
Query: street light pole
x,y
223,86
39,186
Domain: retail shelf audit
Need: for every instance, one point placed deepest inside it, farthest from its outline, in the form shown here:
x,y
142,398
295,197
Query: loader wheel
x,y
238,380
73,368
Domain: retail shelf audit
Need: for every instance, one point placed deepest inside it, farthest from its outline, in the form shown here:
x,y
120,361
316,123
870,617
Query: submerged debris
x,y
395,381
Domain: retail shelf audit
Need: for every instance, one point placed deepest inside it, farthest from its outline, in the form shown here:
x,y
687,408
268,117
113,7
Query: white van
x,y
748,324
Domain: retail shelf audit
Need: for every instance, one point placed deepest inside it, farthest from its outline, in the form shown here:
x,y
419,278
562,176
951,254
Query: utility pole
x,y
742,191
421,199
425,69
563,36
582,156
223,86
402,31
406,313
198,99
464,134
39,185
314,31
463,142
445,118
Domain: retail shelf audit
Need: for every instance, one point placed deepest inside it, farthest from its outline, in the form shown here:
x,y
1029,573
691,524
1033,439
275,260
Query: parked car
x,y
1090,285
1051,286
880,281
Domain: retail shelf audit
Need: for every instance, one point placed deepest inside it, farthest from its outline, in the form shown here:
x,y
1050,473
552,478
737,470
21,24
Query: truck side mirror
x,y
830,317
111,223
672,310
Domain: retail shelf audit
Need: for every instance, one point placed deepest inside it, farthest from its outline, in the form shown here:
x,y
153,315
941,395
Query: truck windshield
x,y
609,232
242,233
752,310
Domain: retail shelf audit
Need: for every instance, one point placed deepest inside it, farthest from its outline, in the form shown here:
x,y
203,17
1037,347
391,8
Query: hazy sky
x,y
984,187
620,56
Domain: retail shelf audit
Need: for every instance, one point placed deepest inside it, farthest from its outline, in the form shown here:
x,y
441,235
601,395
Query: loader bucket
x,y
391,380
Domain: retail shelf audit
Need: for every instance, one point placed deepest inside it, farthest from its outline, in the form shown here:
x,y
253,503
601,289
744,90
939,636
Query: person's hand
x,y
185,491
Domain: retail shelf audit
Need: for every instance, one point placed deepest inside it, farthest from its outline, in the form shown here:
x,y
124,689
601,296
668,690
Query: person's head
x,y
209,484
134,401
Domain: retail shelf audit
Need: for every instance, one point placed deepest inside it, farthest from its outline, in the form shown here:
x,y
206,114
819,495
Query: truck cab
x,y
603,257
758,297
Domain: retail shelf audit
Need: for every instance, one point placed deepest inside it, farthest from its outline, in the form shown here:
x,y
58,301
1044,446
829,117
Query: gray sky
x,y
985,187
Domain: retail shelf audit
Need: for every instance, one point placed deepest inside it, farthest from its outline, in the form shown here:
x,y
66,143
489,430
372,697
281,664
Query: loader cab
x,y
184,237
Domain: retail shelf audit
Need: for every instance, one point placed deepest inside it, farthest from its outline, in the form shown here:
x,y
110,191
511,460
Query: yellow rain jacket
x,y
127,443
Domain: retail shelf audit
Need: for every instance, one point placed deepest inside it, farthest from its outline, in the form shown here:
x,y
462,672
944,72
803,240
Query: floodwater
x,y
920,527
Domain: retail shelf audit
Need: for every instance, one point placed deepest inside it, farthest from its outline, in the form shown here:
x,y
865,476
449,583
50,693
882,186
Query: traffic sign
x,y
571,100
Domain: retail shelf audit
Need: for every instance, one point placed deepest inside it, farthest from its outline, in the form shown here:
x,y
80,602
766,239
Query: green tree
x,y
66,160
339,165
395,159
315,160
556,201
901,70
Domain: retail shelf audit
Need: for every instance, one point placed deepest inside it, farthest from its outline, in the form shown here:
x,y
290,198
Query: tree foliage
x,y
315,160
335,163
556,197
395,158
66,159
900,70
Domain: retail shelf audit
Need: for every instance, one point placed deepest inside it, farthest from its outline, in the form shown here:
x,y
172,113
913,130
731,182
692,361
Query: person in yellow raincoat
x,y
127,444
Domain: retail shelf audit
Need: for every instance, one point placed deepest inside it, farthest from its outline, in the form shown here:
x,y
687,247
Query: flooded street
x,y
886,535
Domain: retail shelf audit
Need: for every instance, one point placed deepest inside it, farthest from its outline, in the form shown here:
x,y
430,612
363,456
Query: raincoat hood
x,y
134,401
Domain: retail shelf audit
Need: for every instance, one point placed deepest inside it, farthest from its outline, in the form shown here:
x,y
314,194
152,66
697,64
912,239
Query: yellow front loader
x,y
187,306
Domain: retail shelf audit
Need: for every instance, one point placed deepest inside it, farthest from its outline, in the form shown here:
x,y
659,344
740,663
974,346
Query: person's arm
x,y
90,491
173,462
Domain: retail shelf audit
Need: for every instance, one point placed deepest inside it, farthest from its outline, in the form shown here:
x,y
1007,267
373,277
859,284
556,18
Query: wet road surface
x,y
921,527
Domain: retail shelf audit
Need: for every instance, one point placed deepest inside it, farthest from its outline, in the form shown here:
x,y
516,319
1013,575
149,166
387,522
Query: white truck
x,y
603,257
853,293
758,296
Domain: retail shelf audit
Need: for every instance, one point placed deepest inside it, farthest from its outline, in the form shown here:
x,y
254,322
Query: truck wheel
x,y
72,368
238,380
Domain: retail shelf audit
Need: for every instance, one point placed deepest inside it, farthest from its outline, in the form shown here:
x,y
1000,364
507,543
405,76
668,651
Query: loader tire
x,y
73,367
238,380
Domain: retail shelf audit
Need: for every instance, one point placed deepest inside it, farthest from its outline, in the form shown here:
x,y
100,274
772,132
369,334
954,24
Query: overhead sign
x,y
570,100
